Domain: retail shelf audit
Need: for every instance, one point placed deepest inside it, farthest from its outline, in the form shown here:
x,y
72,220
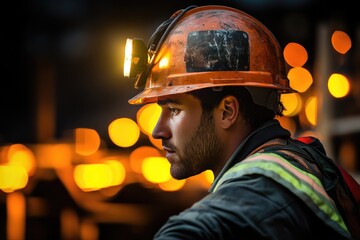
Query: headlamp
x,y
136,58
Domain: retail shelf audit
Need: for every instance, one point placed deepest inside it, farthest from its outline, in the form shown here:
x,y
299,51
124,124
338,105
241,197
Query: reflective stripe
x,y
305,185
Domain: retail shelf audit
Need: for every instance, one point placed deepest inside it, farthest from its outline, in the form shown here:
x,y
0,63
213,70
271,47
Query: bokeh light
x,y
300,79
138,155
91,177
209,176
118,172
21,155
295,54
172,185
87,141
287,123
124,132
12,177
341,41
292,103
338,85
156,169
311,107
156,142
147,117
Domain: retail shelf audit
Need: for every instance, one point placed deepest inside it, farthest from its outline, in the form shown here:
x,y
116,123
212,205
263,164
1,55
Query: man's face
x,y
188,135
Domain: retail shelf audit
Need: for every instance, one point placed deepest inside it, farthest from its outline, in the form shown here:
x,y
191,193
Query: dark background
x,y
62,60
77,42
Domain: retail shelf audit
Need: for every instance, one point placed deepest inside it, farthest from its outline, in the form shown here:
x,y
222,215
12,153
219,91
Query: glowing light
x,y
338,85
91,177
311,110
156,142
292,103
341,41
139,154
300,79
87,141
12,177
16,215
287,123
118,172
147,117
156,169
209,176
172,185
128,57
54,155
295,54
164,63
23,156
124,132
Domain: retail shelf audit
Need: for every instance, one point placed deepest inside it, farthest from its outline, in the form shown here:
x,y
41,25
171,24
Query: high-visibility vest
x,y
303,184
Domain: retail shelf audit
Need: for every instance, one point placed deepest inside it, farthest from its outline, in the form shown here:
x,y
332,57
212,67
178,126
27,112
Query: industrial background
x,y
63,98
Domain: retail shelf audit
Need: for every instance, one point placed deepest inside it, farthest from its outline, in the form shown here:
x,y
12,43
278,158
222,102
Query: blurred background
x,y
78,162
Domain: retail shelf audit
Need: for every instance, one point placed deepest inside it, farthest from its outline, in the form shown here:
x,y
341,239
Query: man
x,y
217,74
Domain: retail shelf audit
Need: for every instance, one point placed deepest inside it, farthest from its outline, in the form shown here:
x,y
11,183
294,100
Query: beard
x,y
200,153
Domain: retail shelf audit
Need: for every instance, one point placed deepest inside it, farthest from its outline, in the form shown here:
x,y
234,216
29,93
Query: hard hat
x,y
212,46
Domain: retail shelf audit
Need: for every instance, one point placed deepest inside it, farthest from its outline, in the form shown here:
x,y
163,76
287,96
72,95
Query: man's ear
x,y
229,108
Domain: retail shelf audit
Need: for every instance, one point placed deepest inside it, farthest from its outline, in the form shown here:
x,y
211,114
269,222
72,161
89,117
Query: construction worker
x,y
218,74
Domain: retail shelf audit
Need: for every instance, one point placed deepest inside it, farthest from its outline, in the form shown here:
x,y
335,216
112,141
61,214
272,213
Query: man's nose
x,y
161,130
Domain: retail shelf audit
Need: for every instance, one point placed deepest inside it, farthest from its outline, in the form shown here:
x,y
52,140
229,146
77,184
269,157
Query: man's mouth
x,y
169,151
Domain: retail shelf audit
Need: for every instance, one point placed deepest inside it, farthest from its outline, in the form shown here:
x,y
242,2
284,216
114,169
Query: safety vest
x,y
303,184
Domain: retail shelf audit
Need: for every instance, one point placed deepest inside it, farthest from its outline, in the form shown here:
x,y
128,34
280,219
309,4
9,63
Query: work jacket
x,y
260,196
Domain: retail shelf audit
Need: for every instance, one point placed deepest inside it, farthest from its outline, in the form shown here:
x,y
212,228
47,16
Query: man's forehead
x,y
180,98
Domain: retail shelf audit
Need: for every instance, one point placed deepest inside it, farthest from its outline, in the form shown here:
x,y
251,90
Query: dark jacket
x,y
250,206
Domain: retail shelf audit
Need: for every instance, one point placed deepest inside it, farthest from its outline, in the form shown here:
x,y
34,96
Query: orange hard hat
x,y
214,46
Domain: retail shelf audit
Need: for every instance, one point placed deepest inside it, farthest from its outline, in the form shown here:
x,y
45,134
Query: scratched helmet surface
x,y
213,46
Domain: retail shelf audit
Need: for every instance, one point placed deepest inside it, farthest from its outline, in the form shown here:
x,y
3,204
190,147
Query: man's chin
x,y
177,173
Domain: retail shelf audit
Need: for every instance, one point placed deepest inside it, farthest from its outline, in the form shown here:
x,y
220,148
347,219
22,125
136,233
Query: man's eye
x,y
174,111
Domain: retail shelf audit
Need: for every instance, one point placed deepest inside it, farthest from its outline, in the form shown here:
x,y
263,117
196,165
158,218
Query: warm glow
x,y
128,57
118,172
172,185
89,229
23,156
156,169
156,142
292,103
311,110
16,215
54,155
137,157
338,85
12,177
124,132
209,176
164,63
287,123
300,79
147,117
341,41
91,177
295,54
87,141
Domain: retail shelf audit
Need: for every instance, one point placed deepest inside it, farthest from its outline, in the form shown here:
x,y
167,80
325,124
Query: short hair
x,y
254,114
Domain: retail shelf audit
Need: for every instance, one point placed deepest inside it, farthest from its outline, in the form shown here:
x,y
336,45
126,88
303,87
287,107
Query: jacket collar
x,y
261,135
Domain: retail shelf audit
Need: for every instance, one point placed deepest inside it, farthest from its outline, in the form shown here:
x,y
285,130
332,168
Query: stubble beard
x,y
200,153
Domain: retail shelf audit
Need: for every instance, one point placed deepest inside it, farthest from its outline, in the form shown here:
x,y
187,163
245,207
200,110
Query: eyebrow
x,y
167,100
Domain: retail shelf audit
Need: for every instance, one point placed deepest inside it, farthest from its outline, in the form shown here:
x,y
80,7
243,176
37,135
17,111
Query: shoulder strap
x,y
340,185
301,183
